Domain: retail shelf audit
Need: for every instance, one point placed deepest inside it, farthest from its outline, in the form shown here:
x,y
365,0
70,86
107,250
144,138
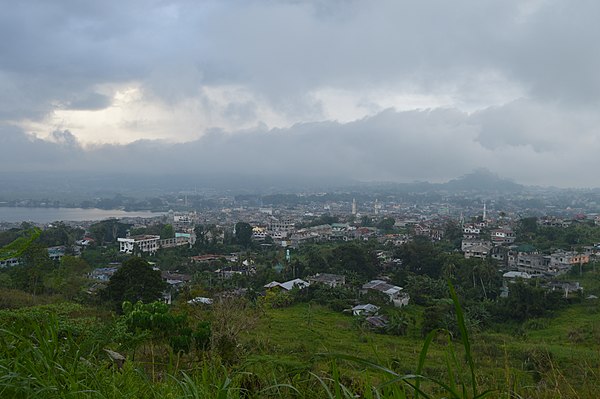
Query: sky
x,y
370,90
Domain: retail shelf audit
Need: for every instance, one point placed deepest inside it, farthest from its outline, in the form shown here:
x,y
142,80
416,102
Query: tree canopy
x,y
135,281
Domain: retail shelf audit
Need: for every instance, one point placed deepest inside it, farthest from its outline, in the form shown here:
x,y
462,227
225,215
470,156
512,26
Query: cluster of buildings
x,y
482,240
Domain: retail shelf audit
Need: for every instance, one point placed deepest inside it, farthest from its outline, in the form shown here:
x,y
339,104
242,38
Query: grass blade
x,y
460,319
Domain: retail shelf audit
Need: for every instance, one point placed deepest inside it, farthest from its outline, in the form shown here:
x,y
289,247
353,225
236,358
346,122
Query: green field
x,y
549,357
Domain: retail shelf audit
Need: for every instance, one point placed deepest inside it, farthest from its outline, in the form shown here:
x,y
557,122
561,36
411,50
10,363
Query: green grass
x,y
558,356
306,351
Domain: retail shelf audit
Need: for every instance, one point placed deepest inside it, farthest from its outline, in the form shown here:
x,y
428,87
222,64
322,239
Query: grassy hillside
x,y
304,351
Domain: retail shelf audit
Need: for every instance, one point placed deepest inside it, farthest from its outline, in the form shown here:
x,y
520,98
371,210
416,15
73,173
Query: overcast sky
x,y
372,90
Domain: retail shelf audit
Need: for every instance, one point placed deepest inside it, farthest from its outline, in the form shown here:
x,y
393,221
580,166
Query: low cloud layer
x,y
434,145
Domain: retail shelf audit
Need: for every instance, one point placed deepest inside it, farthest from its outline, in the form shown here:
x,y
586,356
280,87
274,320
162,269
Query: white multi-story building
x,y
145,243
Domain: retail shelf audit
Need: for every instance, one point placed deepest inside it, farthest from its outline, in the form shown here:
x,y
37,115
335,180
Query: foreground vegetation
x,y
305,351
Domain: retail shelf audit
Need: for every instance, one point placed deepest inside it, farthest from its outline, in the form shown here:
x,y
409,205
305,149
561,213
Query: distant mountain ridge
x,y
482,180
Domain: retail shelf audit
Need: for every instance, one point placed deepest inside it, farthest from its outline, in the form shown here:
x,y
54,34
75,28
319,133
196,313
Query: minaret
x,y
354,206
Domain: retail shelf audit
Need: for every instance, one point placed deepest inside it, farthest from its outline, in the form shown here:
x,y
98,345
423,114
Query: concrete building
x,y
503,236
480,251
145,243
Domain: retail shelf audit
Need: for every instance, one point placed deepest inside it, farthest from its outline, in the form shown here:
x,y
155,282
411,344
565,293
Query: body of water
x,y
48,215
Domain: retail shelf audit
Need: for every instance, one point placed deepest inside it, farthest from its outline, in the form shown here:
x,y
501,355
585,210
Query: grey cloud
x,y
22,152
51,51
90,101
395,146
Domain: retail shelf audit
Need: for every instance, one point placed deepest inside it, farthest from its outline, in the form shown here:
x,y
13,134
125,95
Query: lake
x,y
47,215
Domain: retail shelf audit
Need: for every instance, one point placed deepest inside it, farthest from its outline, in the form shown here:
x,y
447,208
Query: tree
x,y
69,277
243,234
37,266
386,224
135,281
420,256
353,257
527,227
108,231
167,231
60,234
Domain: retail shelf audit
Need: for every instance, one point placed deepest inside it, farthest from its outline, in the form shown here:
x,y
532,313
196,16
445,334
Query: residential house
x,y
200,300
332,280
471,231
9,262
503,236
56,253
395,294
480,251
563,261
569,289
377,322
288,285
102,273
365,310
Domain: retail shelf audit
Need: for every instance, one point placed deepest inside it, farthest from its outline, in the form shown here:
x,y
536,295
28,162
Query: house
x,y
56,253
471,231
394,293
85,241
515,275
332,280
245,269
566,287
9,262
377,322
206,258
200,300
288,285
551,221
102,273
175,280
503,236
365,310
480,251
563,261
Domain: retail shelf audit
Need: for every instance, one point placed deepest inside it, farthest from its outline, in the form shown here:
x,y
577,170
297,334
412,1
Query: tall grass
x,y
44,354
396,385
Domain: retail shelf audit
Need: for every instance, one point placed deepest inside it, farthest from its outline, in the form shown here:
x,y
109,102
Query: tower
x,y
354,206
484,212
